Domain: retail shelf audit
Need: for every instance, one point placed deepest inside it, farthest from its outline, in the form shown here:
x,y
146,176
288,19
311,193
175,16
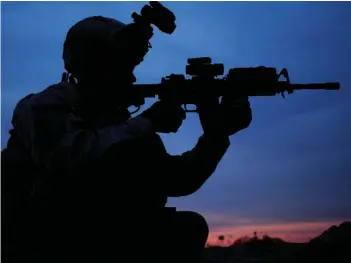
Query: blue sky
x,y
292,164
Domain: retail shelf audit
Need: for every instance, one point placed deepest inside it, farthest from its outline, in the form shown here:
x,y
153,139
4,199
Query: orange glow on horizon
x,y
297,232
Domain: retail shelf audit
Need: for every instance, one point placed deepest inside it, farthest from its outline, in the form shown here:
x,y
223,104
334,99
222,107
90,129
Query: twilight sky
x,y
289,174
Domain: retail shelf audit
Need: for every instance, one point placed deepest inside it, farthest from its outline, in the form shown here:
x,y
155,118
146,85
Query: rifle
x,y
254,81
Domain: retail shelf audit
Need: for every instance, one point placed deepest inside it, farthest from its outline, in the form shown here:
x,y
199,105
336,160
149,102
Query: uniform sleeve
x,y
186,173
57,139
173,175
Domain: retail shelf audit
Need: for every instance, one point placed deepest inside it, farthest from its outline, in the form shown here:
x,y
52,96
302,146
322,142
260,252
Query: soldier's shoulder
x,y
56,95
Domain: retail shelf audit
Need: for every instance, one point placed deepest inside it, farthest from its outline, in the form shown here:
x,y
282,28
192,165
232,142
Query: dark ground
x,y
333,246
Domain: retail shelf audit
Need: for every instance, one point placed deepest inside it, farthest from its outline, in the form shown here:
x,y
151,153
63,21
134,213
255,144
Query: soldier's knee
x,y
201,222
197,223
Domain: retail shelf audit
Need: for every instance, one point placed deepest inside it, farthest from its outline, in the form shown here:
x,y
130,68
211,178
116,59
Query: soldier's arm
x,y
56,137
186,173
174,175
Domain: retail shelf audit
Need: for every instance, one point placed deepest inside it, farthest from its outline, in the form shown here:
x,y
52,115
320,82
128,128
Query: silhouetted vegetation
x,y
333,245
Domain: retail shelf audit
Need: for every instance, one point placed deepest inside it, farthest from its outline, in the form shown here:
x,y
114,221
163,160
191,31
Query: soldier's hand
x,y
237,113
211,118
225,118
165,117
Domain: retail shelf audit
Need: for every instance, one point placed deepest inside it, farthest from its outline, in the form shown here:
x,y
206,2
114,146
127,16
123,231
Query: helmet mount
x,y
158,15
88,41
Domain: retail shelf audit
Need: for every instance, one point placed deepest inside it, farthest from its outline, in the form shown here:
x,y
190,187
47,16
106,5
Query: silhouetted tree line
x,y
333,245
248,240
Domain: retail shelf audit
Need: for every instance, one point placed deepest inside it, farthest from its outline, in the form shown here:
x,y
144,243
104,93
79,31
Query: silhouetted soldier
x,y
107,175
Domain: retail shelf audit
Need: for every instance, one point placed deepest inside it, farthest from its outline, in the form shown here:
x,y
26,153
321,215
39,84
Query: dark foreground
x,y
333,246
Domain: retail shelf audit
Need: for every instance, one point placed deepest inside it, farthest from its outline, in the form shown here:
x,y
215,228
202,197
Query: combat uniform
x,y
105,180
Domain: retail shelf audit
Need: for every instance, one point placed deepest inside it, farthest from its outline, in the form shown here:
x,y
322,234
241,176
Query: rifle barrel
x,y
152,90
316,86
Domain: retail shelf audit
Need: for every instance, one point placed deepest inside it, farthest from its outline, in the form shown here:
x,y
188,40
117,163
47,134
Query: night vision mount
x,y
157,15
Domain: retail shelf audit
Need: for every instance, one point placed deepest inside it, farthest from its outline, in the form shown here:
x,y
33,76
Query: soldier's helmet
x,y
87,42
96,43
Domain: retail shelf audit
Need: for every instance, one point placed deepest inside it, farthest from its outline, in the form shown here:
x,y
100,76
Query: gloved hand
x,y
225,118
237,113
210,116
165,117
